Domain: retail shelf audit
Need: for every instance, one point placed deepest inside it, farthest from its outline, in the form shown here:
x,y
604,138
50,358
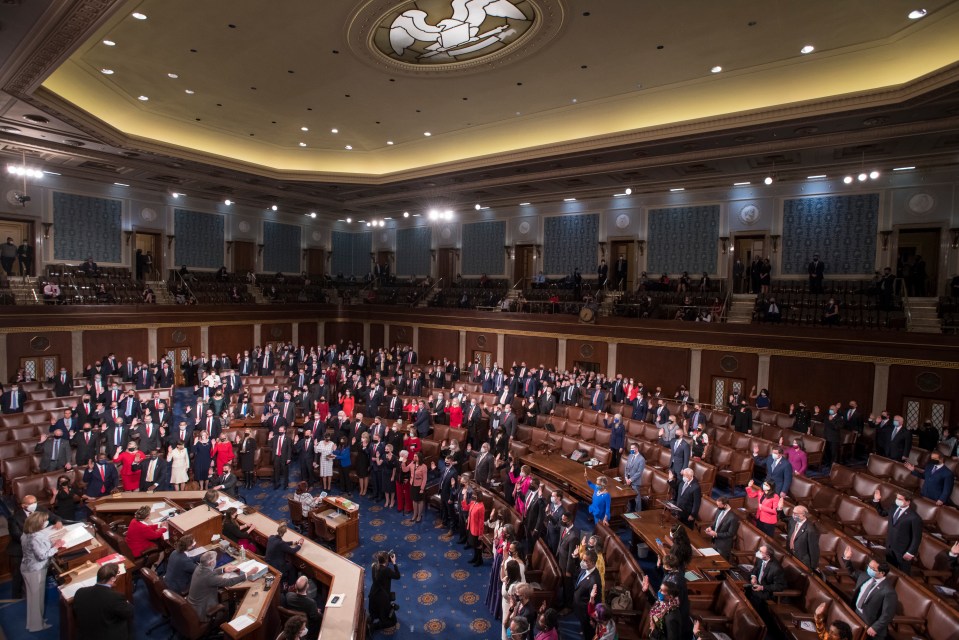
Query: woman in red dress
x,y
142,537
346,403
322,409
456,414
222,453
129,476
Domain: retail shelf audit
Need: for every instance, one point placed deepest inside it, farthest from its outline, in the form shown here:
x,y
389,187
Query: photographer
x,y
382,607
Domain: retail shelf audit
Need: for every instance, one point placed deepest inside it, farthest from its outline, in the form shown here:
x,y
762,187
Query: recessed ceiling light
x,y
189,92
807,49
175,194
416,215
768,180
628,191
741,184
716,69
389,142
274,208
915,14
172,76
524,204
106,72
427,134
816,177
304,128
334,130
406,214
143,98
678,189
121,184
863,176
620,195
51,173
873,174
569,199
228,202
348,147
302,144
312,214
387,218
847,179
139,16
574,101
903,168
110,43
349,220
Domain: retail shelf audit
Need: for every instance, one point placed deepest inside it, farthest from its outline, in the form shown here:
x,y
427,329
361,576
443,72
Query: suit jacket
x,y
900,444
165,377
148,442
484,469
279,552
937,484
109,440
772,580
679,458
102,613
6,401
806,545
228,482
726,532
597,400
205,588
62,386
781,475
422,422
583,585
903,534
533,518
158,473
286,449
688,500
97,485
46,449
179,572
86,451
879,607
564,551
635,465
508,424
143,379
307,606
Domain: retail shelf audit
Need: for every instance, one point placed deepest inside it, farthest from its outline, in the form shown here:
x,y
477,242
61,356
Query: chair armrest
x,y
710,619
787,593
917,623
802,616
933,573
534,575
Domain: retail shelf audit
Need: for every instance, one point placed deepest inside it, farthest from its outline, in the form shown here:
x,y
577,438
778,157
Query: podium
x,y
337,520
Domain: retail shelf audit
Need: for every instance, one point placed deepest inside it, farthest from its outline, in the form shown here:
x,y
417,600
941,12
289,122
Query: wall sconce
x,y
775,242
46,230
229,247
884,237
433,254
169,241
641,245
509,252
128,235
955,237
723,243
259,250
602,250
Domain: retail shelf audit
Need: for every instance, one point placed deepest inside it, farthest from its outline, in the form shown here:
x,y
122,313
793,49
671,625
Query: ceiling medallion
x,y
921,203
444,36
622,221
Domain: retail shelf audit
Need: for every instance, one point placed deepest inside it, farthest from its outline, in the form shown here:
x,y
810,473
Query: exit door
x,y
524,267
917,262
725,387
244,257
148,264
178,356
620,278
745,250
446,266
315,262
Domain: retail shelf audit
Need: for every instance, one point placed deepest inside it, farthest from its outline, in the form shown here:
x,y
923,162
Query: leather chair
x,y
155,589
730,612
574,413
184,619
543,570
297,518
262,463
841,477
16,467
706,475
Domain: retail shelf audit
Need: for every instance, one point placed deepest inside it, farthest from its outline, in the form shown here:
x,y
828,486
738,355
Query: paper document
x,y
808,625
69,590
72,535
946,591
630,516
708,551
192,553
240,623
157,506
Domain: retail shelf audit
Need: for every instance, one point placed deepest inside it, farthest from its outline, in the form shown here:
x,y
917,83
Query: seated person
x,y
238,532
773,312
89,268
831,314
180,566
300,600
51,293
304,497
142,537
204,594
279,552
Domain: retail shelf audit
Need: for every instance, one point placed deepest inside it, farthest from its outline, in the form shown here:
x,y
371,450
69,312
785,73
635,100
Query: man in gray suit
x,y
54,452
724,528
484,466
226,482
207,581
635,465
874,599
680,453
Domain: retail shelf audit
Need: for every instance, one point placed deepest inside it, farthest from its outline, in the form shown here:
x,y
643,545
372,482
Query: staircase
x,y
922,315
161,291
610,300
257,294
741,308
24,291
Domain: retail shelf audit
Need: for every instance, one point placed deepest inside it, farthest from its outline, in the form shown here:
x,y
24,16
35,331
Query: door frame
x,y
158,255
631,258
731,255
942,260
30,234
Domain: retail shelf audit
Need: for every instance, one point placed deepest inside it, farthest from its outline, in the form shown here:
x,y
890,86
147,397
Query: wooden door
x,y
746,248
446,266
485,358
18,231
724,387
917,410
40,367
617,249
178,356
244,256
525,264
315,262
149,244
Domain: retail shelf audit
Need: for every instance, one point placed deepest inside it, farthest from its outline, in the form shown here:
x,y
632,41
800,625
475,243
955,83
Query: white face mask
x,y
582,565
759,555
31,507
899,503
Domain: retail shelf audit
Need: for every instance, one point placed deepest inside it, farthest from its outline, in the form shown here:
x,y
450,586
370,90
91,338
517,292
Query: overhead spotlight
x,y
847,180
172,76
106,72
382,223
434,214
903,168
189,92
349,147
406,214
427,134
915,14
525,204
27,172
741,184
628,191
334,130
477,206
139,16
274,207
807,49
569,199
768,180
716,69
304,128
675,189
228,202
367,224
389,143
863,176
349,220
312,214
873,174
448,215
175,194
302,144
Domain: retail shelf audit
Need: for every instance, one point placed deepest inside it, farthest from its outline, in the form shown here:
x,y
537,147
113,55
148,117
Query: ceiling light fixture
x,y
139,16
847,180
228,202
143,98
172,76
274,208
302,144
433,214
863,176
628,191
817,177
304,128
915,14
106,72
448,214
175,194
807,49
620,195
334,130
477,206
348,147
349,220
525,204
121,184
427,134
312,214
716,69
674,189
189,92
903,168
741,184
768,180
110,43
569,199
873,175
389,142
24,171
406,214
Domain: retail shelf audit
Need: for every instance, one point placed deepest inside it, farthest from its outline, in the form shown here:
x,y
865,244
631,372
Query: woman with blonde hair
x,y
37,551
418,478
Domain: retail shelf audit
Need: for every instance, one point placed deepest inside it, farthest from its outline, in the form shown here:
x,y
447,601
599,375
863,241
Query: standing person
x,y
635,465
874,598
511,578
129,461
222,453
25,258
179,461
382,608
418,478
324,455
362,466
387,471
401,476
102,612
475,518
279,552
37,551
588,580
8,255
767,514
904,532
816,270
202,458
343,455
802,538
665,620
248,448
600,505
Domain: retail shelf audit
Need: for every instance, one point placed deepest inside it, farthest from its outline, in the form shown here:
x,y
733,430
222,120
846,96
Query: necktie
x,y
103,476
56,449
116,437
864,594
792,538
685,486
149,431
762,570
151,470
279,445
582,574
16,399
719,518
896,517
182,434
86,437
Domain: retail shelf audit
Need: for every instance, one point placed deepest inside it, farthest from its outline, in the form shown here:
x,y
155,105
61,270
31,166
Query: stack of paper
x,y
72,535
708,551
240,623
69,590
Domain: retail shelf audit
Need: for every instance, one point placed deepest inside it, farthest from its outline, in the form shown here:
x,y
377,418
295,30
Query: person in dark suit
x,y
281,450
279,552
938,479
802,538
86,444
534,515
55,453
449,482
153,471
180,566
225,482
552,520
874,598
421,421
816,270
299,600
12,400
679,454
582,588
100,611
100,478
724,528
382,607
484,466
567,557
777,467
508,421
144,379
832,433
854,418
900,440
62,383
766,578
686,496
204,593
904,532
597,399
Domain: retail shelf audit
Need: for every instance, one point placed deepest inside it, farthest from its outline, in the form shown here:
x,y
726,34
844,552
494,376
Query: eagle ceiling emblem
x,y
460,37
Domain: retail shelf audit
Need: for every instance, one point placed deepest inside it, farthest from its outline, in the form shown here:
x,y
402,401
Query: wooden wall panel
x,y
821,382
343,331
189,337
122,342
276,331
904,381
727,365
233,338
436,344
307,334
60,345
654,366
533,350
376,336
586,351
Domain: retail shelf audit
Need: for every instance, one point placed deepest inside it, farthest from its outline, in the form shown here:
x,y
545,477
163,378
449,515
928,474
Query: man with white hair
x,y
687,496
207,581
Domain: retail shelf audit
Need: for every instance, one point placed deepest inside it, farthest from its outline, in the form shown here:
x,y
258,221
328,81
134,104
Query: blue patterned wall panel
x,y
351,253
413,251
84,226
199,239
683,239
570,242
281,247
483,244
841,229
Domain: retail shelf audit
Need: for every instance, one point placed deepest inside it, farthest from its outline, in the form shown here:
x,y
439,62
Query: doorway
x,y
723,388
446,266
20,231
485,358
244,257
315,262
40,367
917,260
918,410
524,265
745,250
384,258
620,278
178,356
148,263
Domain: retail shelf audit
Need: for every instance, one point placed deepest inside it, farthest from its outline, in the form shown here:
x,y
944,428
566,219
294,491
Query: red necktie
x,y
279,445
102,474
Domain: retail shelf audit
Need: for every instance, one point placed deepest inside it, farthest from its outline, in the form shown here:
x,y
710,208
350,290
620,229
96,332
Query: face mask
x,y
870,572
900,503
832,412
57,437
759,555
895,423
582,565
131,449
661,596
556,501
32,507
766,489
303,632
776,456
509,633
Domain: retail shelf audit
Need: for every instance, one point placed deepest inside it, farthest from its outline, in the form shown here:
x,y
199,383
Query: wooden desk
x,y
341,523
257,602
569,475
89,551
650,525
87,571
203,522
333,570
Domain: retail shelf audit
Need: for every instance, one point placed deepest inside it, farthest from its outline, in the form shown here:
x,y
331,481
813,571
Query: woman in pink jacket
x,y
768,513
520,487
796,454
